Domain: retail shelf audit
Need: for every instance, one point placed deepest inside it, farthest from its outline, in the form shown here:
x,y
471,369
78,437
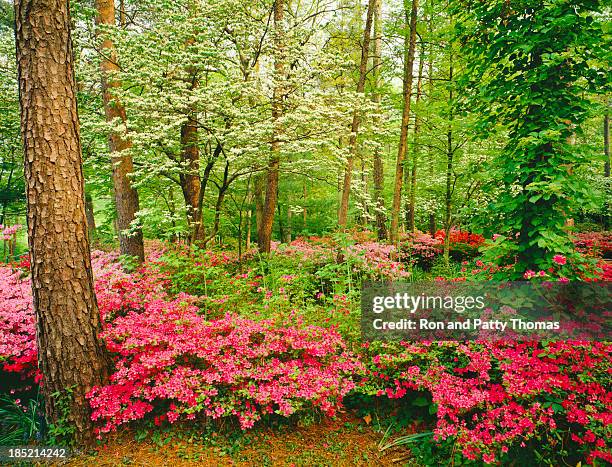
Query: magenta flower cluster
x,y
7,231
492,396
170,360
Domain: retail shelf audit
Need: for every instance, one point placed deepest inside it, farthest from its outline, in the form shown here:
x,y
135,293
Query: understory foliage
x,y
185,349
504,401
536,69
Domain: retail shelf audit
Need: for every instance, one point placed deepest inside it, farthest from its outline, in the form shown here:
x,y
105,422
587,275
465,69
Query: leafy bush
x,y
596,244
497,398
168,354
171,358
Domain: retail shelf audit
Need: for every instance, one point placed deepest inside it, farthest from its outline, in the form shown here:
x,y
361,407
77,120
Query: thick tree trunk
x,y
348,171
410,42
378,172
269,208
190,176
126,197
70,354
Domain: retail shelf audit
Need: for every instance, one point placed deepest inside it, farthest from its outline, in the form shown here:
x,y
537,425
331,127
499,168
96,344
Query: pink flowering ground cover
x,y
173,363
494,401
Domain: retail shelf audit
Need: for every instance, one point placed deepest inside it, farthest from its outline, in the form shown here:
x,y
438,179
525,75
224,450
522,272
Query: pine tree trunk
x,y
410,42
378,169
126,197
70,353
265,233
348,171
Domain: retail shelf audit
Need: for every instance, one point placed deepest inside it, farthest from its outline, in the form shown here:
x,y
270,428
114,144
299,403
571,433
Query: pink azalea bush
x,y
594,244
494,396
422,248
171,360
172,363
17,340
170,357
378,261
7,231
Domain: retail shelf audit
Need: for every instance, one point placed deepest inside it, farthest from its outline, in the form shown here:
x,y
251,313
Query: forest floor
x,y
343,441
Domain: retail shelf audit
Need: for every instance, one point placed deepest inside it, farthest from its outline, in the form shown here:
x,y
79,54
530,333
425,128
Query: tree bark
x,y
378,169
432,214
606,137
126,197
448,197
190,175
70,354
410,41
415,149
348,171
305,210
606,134
288,231
269,207
258,195
91,220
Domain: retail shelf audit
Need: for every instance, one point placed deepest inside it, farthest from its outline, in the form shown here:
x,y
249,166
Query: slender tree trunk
x,y
449,168
432,214
363,216
409,48
248,232
378,169
258,194
288,230
91,220
415,148
202,181
304,212
126,197
265,233
571,140
606,135
348,171
8,187
220,197
70,354
281,227
406,183
249,202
